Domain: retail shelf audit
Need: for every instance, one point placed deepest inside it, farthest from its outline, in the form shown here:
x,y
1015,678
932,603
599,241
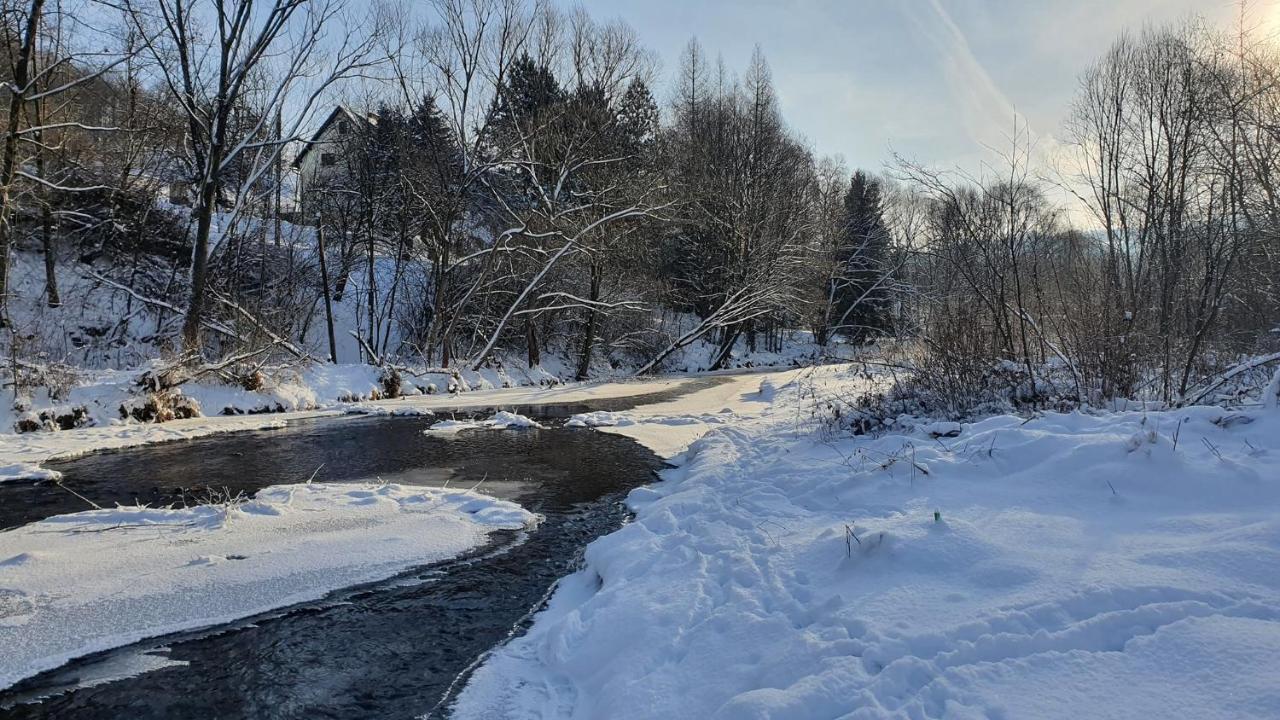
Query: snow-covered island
x,y
76,584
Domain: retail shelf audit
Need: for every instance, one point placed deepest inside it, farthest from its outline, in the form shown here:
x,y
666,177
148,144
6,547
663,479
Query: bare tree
x,y
217,55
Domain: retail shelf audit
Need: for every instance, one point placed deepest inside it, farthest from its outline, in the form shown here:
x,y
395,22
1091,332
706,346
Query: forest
x,y
499,183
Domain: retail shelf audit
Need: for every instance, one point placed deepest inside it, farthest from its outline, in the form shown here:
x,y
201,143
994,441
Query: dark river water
x,y
395,649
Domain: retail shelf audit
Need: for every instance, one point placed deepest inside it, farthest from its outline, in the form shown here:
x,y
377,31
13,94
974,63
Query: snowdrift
x,y
1112,566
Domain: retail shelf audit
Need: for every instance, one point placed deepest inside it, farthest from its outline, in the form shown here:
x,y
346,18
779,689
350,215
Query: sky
x,y
936,81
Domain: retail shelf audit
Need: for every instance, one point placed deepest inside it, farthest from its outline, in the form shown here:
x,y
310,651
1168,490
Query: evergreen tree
x,y
525,98
862,307
637,119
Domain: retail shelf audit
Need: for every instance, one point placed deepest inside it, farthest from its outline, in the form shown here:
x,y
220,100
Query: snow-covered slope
x,y
76,584
1113,566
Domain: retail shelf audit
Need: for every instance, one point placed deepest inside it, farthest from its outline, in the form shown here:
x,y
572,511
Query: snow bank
x,y
600,418
27,471
37,447
76,584
669,428
1072,566
502,420
387,411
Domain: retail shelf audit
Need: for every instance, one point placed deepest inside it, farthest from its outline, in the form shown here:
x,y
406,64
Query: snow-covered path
x,y
1070,566
76,584
668,428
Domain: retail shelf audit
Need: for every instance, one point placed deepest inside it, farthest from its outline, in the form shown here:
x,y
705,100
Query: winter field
x,y
1074,565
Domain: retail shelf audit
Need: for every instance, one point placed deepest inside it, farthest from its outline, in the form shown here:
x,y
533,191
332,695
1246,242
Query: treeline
x,y
510,183
507,182
1164,285
550,205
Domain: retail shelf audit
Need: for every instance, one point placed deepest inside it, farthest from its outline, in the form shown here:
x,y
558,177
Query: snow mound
x,y
502,420
600,418
453,426
508,420
27,471
81,583
941,429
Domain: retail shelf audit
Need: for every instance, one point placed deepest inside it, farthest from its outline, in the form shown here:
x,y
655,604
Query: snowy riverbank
x,y
1120,565
23,453
77,584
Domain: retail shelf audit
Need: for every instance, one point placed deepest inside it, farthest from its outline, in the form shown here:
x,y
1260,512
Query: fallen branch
x,y
372,355
179,312
257,324
1233,372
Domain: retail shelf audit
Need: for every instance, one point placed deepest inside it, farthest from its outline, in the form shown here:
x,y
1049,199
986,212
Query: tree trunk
x,y
324,282
401,250
9,164
589,334
279,170
531,340
46,213
726,347
200,264
372,297
50,274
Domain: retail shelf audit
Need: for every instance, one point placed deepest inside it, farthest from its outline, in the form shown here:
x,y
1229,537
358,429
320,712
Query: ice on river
x,y
84,582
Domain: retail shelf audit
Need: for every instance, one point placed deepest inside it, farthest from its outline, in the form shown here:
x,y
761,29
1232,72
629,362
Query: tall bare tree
x,y
218,57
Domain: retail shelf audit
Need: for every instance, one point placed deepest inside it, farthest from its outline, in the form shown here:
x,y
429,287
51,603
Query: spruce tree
x,y
862,301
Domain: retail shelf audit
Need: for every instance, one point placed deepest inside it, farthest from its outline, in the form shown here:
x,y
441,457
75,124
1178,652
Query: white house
x,y
320,162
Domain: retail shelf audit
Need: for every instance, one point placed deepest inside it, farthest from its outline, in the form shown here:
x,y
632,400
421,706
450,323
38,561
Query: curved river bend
x,y
395,649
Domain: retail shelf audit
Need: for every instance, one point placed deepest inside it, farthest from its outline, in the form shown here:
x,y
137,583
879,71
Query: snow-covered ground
x,y
1118,565
87,355
669,427
76,584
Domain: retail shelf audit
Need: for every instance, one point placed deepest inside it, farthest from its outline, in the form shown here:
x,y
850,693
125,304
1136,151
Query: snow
x,y
599,418
1271,394
941,429
501,420
27,471
1056,568
80,583
668,428
452,426
505,420
38,447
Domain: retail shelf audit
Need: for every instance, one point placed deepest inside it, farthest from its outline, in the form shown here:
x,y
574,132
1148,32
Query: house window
x,y
327,159
344,127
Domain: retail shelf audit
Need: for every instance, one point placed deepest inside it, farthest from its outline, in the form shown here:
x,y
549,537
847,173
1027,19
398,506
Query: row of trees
x,y
544,204
1169,278
510,184
515,189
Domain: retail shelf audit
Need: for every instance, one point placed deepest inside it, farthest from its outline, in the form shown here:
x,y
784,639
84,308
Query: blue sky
x,y
934,80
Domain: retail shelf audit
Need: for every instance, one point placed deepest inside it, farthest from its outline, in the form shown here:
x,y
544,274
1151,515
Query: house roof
x,y
338,111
